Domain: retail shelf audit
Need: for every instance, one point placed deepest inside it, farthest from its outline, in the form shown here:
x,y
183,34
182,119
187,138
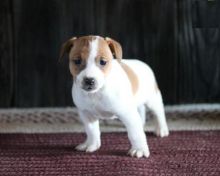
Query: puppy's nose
x,y
89,81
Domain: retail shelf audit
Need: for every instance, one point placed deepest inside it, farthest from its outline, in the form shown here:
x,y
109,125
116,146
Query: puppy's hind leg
x,y
142,112
157,107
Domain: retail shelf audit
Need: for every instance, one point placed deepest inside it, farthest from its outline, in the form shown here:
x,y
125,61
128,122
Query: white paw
x,y
162,132
88,147
139,152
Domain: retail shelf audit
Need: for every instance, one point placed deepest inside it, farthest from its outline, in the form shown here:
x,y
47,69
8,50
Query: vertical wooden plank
x,y
164,55
198,52
37,42
6,54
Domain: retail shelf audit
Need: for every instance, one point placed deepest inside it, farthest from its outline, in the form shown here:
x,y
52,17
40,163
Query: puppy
x,y
105,86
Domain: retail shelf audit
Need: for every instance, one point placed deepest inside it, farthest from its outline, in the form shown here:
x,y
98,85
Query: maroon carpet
x,y
182,153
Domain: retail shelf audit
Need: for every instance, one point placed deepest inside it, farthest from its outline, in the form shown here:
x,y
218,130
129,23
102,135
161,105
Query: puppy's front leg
x,y
136,135
92,142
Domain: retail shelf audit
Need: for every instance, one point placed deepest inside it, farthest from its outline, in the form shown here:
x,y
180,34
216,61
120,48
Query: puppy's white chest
x,y
95,105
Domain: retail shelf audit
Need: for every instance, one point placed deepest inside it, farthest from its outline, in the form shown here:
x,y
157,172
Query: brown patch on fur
x,y
80,50
132,77
104,53
115,48
66,47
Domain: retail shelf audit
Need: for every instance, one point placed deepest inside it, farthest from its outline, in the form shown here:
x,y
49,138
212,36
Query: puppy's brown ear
x,y
115,48
66,47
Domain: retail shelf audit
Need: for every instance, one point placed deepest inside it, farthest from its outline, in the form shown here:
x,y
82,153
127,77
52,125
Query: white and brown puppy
x,y
105,86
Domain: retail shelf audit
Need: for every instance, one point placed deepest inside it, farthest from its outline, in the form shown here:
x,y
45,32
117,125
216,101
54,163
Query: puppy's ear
x,y
115,48
66,47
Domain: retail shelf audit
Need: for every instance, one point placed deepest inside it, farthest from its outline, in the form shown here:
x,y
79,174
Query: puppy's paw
x,y
162,132
139,152
88,147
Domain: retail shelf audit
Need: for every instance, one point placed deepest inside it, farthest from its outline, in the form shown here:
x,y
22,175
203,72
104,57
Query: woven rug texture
x,y
182,153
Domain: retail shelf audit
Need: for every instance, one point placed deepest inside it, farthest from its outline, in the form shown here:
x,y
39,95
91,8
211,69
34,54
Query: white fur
x,y
114,97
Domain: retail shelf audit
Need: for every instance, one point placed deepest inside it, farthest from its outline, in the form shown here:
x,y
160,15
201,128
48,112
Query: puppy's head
x,y
90,60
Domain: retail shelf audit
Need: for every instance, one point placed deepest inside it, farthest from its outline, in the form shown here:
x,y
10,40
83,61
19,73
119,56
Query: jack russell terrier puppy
x,y
105,86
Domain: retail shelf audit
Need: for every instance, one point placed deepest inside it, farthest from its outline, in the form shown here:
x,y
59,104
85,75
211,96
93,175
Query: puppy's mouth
x,y
91,91
88,88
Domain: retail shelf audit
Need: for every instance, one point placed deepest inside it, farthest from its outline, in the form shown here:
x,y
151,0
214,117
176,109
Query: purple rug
x,y
182,153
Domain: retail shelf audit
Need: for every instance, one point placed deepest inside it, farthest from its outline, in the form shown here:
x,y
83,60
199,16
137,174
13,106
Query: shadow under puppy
x,y
107,86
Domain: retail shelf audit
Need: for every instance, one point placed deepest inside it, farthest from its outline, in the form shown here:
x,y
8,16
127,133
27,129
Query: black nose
x,y
89,81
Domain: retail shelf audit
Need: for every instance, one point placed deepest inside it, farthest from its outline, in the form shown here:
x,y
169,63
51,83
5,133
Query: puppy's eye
x,y
103,62
77,61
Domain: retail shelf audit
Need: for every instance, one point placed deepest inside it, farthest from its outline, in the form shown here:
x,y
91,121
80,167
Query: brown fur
x,y
66,47
132,77
79,50
115,48
104,53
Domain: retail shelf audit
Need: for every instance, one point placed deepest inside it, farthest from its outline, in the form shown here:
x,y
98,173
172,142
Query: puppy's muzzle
x,y
89,84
